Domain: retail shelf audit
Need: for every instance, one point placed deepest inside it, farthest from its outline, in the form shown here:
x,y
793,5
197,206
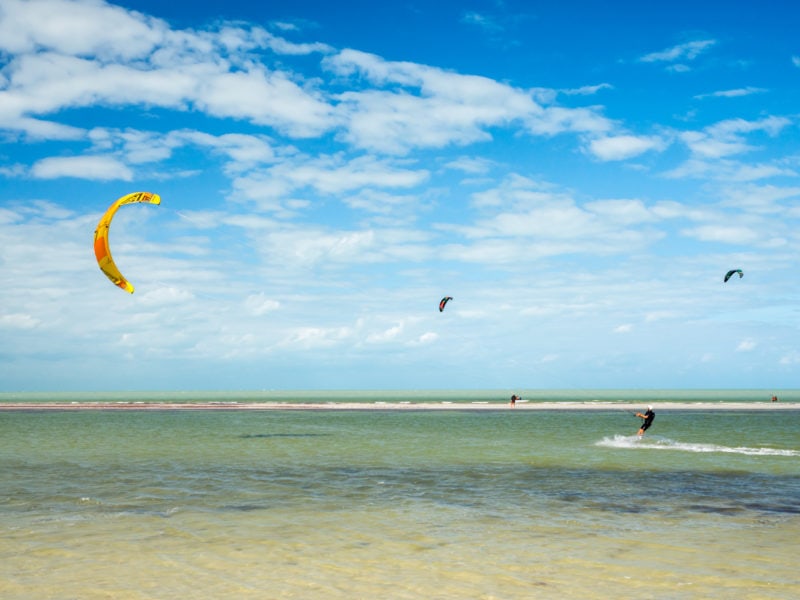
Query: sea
x,y
406,504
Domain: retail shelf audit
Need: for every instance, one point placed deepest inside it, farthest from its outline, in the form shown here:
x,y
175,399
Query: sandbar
x,y
401,406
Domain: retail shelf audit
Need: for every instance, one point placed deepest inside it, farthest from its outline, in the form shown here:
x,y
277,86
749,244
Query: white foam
x,y
634,442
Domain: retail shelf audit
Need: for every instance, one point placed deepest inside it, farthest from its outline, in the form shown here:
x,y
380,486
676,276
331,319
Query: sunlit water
x,y
505,504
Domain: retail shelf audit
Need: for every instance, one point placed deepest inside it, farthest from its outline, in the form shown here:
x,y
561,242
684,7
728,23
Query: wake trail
x,y
632,442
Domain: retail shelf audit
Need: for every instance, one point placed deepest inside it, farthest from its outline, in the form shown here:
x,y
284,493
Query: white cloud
x,y
481,20
332,175
259,305
746,345
685,51
48,82
549,358
380,202
622,147
555,120
704,145
472,165
755,172
121,58
97,168
81,28
759,198
792,358
243,149
397,122
622,212
282,46
734,93
326,175
678,68
724,233
284,26
427,338
661,315
164,295
13,170
266,98
39,129
587,90
732,127
624,328
316,337
729,138
18,321
148,64
450,109
388,335
529,221
727,171
134,147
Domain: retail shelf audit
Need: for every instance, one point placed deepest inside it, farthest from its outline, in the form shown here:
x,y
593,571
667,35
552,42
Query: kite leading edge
x,y
101,248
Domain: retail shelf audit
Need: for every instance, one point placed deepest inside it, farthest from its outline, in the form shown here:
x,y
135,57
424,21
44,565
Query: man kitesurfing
x,y
648,420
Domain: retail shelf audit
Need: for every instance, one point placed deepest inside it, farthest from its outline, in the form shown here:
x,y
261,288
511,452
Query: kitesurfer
x,y
648,417
514,399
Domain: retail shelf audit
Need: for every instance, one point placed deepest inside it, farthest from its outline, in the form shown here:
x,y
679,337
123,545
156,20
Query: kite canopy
x,y
443,302
101,249
730,273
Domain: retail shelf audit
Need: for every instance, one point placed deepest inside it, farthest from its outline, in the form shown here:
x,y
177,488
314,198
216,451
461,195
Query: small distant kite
x,y
730,273
443,302
101,249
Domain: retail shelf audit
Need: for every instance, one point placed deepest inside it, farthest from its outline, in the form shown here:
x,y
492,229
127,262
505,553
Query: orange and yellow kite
x,y
101,248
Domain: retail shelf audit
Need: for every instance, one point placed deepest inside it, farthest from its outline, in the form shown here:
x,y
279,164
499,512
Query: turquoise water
x,y
410,396
398,504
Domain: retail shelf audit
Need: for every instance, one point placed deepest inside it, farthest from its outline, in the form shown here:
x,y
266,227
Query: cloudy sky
x,y
578,179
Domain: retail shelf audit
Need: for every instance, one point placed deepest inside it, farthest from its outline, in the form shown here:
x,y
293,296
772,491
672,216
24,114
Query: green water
x,y
410,396
417,504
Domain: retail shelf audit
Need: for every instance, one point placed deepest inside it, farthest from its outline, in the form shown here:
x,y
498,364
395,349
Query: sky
x,y
578,176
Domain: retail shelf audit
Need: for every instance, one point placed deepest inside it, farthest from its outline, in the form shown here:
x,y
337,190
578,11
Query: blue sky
x,y
578,179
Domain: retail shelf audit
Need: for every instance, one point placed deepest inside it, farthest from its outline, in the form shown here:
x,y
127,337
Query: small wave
x,y
634,442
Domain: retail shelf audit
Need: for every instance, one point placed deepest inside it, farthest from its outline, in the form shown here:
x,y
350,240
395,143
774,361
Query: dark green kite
x,y
730,273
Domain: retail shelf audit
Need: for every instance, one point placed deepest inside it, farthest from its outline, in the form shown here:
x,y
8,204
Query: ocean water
x,y
398,504
660,397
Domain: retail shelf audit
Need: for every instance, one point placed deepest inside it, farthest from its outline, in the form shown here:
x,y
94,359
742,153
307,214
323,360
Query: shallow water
x,y
418,504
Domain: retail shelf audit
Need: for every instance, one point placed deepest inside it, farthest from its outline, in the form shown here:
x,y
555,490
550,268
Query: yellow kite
x,y
101,248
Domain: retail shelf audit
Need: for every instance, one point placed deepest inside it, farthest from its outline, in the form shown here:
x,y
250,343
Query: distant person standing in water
x,y
514,399
648,420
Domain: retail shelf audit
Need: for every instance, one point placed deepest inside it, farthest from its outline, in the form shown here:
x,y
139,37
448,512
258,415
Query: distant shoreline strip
x,y
399,406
